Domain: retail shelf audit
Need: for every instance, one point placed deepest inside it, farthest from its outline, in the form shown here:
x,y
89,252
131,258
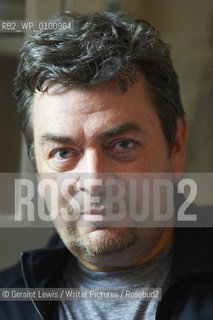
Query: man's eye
x,y
62,154
124,145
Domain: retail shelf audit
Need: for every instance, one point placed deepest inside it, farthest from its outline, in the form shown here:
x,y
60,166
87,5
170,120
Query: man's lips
x,y
98,215
102,211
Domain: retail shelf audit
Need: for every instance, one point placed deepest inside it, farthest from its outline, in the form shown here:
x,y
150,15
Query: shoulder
x,y
12,277
189,299
19,310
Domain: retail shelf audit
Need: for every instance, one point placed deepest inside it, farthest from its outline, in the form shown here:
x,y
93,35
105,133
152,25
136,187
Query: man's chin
x,y
99,241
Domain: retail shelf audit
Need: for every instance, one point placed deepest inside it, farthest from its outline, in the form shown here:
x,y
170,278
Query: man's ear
x,y
179,149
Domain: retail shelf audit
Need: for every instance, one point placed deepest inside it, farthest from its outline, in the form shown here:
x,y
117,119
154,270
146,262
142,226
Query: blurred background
x,y
187,25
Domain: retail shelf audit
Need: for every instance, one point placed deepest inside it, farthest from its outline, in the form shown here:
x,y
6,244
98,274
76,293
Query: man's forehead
x,y
56,110
93,99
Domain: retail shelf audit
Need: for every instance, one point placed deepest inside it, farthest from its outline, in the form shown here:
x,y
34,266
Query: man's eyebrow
x,y
123,128
47,138
51,138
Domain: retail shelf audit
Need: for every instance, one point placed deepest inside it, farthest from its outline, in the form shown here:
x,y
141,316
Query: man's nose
x,y
94,161
94,169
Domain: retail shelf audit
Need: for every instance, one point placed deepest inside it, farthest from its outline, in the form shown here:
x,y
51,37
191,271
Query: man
x,y
102,99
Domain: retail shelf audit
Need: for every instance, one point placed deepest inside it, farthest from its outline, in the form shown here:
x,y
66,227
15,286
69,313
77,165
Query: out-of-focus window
x,y
10,142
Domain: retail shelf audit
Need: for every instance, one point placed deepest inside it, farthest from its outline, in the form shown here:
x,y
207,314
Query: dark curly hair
x,y
97,48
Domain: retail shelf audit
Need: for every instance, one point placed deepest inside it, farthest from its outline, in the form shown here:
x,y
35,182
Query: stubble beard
x,y
81,241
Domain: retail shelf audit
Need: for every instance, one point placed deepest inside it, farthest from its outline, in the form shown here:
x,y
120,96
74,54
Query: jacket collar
x,y
40,269
41,265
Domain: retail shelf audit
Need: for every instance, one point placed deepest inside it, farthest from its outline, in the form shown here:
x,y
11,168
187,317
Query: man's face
x,y
95,131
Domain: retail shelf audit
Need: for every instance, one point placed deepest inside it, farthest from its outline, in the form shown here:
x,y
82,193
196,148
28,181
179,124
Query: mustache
x,y
100,195
102,200
95,202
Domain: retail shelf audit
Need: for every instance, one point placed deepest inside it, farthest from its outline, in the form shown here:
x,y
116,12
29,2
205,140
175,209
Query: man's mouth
x,y
98,215
93,215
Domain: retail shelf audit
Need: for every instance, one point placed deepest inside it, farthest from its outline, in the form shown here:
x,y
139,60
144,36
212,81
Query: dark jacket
x,y
189,295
